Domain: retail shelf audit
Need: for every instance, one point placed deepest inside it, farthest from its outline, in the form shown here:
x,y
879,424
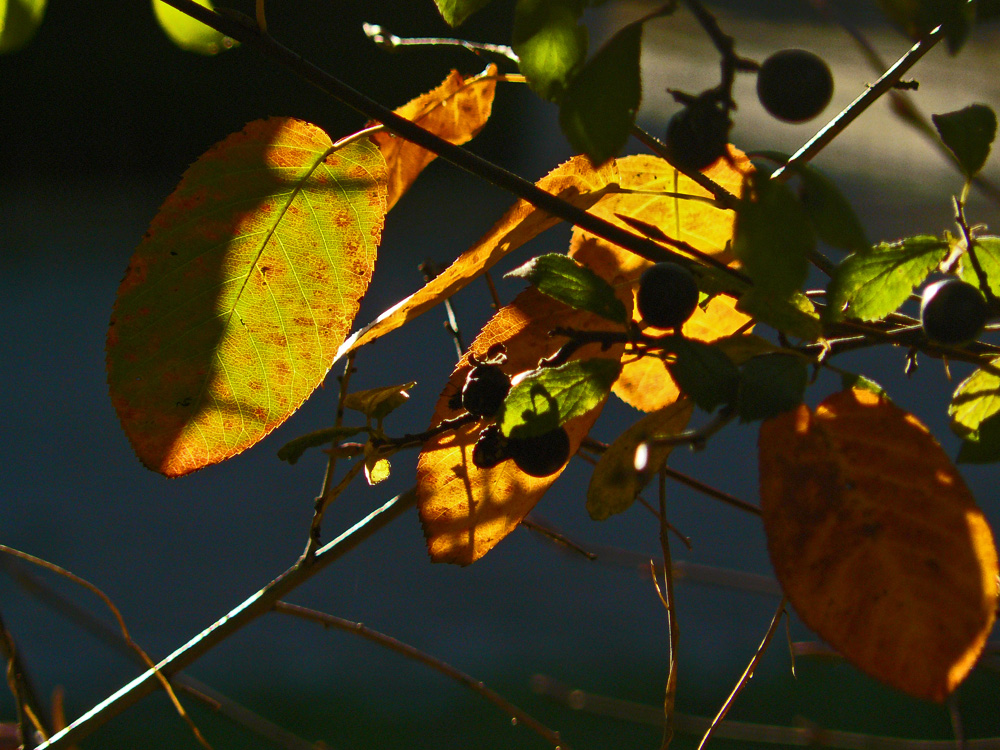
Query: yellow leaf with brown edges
x,y
575,181
466,510
645,383
455,111
878,542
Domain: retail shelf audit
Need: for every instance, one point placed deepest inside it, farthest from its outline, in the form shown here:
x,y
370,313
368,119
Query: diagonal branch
x,y
256,605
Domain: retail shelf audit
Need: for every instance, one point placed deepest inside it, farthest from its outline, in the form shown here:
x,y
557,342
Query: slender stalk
x,y
404,649
256,605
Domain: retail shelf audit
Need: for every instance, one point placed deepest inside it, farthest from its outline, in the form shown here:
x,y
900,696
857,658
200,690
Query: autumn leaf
x,y
877,541
247,281
455,111
575,181
466,510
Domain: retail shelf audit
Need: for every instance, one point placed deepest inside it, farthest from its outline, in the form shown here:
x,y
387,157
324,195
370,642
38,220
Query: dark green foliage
x,y
455,12
668,295
598,110
771,384
540,455
794,85
485,389
562,278
704,373
952,311
969,133
830,212
698,135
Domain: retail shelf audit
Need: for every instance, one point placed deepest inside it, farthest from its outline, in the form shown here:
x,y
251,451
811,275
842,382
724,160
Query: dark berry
x,y
485,389
540,455
952,311
697,136
794,85
668,295
490,449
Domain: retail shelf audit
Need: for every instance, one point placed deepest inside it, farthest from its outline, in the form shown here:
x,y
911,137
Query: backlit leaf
x,y
771,384
976,399
575,181
615,483
551,396
19,19
455,111
455,12
969,133
566,280
466,510
877,541
598,110
773,237
987,251
187,33
247,281
377,403
550,43
650,181
870,285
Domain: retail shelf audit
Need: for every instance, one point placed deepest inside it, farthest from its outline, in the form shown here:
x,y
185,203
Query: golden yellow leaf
x,y
878,542
575,181
466,510
456,111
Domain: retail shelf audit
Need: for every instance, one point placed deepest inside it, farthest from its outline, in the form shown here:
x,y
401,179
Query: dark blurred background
x,y
100,115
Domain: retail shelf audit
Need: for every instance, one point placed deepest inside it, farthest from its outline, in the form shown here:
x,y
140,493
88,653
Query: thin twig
x,y
30,717
253,607
853,110
670,693
747,674
404,649
207,695
561,539
430,271
710,491
155,673
389,41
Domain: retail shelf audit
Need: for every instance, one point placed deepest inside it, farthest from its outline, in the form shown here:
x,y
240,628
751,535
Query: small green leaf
x,y
562,278
850,380
830,212
976,399
703,372
551,396
795,316
455,12
187,33
983,447
969,133
771,384
598,111
19,19
741,347
870,285
550,43
773,237
987,251
292,450
377,403
615,483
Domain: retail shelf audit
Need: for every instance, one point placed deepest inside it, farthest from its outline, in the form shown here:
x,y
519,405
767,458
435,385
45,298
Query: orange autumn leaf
x,y
466,510
645,383
878,542
575,181
455,111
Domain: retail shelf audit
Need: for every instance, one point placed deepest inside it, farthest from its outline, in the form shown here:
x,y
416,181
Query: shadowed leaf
x,y
771,384
969,133
795,316
247,281
976,399
377,403
466,510
575,181
703,372
877,541
455,111
187,33
615,483
19,19
292,450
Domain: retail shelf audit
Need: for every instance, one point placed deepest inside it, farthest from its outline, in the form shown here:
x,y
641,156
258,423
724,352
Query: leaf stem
x,y
249,610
